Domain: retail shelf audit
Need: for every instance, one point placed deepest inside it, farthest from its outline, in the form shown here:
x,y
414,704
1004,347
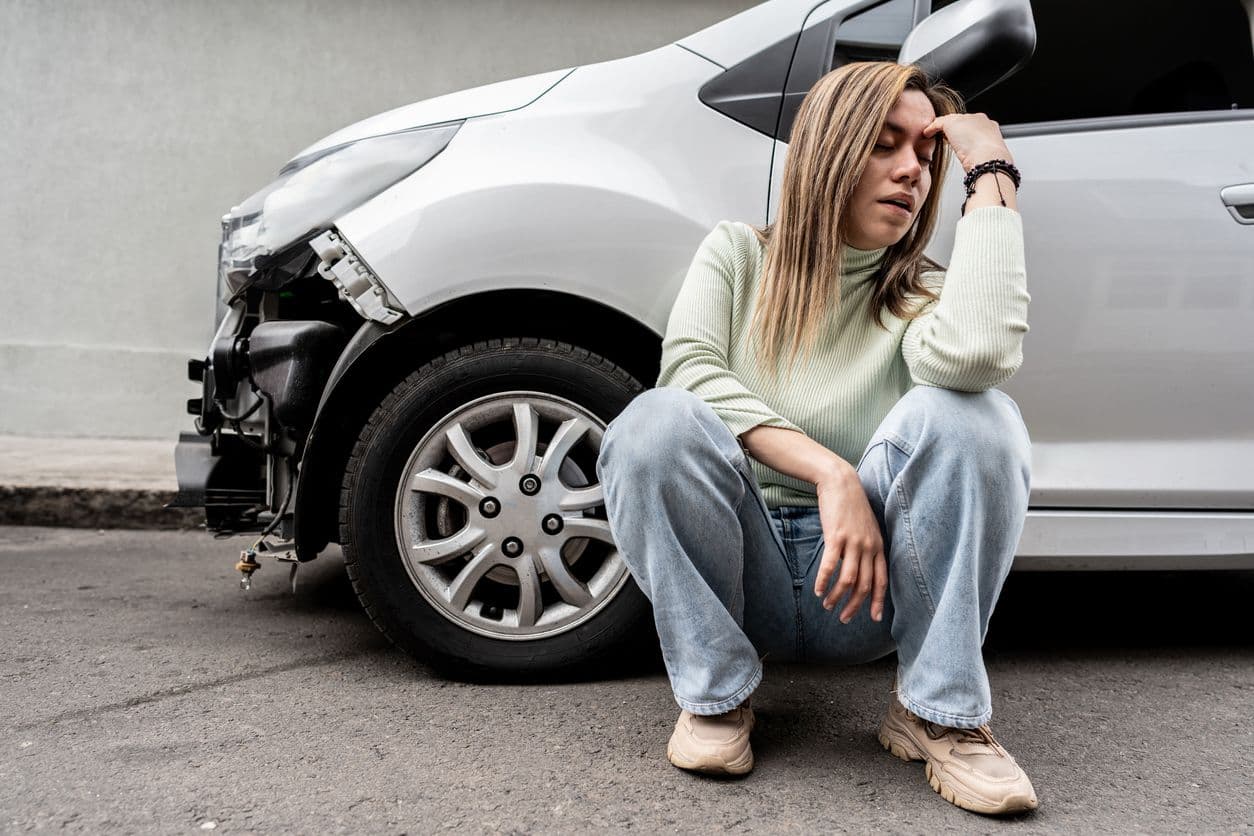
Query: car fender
x,y
602,189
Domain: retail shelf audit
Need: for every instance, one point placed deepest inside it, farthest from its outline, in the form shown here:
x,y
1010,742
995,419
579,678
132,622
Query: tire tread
x,y
388,410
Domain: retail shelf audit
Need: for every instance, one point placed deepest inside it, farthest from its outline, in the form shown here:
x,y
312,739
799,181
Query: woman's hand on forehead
x,y
973,137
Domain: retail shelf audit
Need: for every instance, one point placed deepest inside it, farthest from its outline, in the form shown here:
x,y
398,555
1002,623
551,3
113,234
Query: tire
x,y
477,588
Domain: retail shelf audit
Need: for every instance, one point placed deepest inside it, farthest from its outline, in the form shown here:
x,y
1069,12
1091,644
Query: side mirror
x,y
972,45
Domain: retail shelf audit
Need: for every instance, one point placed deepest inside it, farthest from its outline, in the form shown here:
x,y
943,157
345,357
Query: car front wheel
x,y
471,519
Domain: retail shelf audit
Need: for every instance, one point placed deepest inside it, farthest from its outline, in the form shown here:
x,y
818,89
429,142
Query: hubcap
x,y
500,519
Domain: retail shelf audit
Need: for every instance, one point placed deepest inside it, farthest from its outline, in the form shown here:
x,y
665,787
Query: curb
x,y
94,508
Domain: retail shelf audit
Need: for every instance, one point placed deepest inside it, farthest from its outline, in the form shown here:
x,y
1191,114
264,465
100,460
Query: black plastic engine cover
x,y
290,362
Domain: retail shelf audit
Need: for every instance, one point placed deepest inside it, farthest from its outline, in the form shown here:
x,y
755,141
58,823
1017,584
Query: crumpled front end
x,y
292,292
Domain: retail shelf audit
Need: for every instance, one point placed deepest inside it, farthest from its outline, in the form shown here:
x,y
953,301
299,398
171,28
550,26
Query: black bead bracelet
x,y
991,166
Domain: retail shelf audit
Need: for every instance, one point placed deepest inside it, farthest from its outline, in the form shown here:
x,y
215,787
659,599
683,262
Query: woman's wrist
x,y
986,154
993,189
992,182
835,473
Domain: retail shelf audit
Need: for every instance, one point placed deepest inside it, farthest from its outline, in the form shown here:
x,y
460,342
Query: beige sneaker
x,y
716,745
966,766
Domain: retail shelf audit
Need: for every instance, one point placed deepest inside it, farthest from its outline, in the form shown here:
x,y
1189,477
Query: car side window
x,y
1128,57
875,34
872,34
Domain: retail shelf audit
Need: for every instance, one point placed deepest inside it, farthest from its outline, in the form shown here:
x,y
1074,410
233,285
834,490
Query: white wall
x,y
127,128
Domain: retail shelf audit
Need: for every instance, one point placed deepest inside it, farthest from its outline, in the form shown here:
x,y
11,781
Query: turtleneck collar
x,y
859,265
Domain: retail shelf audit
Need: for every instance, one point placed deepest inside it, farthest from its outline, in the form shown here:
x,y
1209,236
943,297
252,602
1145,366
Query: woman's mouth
x,y
896,208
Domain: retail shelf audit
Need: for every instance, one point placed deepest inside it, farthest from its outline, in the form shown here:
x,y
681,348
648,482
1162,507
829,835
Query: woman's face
x,y
897,170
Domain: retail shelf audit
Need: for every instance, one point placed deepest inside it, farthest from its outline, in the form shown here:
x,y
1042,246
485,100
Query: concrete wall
x,y
127,127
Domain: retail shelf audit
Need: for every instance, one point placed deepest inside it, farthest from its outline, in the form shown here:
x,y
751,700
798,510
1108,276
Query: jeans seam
x,y
799,620
912,548
750,484
799,642
900,443
739,597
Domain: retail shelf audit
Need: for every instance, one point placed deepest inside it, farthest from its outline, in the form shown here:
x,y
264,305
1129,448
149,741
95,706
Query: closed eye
x,y
882,147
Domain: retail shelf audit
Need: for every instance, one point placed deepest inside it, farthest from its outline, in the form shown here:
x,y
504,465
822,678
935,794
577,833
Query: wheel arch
x,y
378,358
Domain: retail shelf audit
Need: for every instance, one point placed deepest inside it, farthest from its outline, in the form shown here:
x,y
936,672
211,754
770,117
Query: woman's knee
x,y
658,425
983,427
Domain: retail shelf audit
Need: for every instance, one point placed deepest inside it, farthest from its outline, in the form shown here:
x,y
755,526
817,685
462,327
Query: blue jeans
x,y
732,582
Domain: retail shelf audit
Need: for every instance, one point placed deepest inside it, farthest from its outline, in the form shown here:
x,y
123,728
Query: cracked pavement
x,y
142,691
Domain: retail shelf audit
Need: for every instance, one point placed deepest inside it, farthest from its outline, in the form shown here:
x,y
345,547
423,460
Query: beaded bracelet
x,y
989,167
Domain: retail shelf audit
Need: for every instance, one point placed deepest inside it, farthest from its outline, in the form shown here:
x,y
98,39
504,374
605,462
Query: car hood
x,y
463,104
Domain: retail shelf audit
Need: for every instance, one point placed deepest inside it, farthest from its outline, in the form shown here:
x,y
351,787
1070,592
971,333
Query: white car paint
x,y
603,189
735,39
1135,386
500,97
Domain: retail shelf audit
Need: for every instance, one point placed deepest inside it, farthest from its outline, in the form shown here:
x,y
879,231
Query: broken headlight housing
x,y
311,192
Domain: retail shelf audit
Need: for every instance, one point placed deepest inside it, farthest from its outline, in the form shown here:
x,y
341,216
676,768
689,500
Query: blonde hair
x,y
832,138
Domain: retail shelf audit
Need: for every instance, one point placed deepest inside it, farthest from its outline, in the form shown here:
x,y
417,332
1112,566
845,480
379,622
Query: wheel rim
x,y
500,520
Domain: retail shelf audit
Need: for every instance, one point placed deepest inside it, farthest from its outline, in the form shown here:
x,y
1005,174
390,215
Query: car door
x,y
1134,127
1133,124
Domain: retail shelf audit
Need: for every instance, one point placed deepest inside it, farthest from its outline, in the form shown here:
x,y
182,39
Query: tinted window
x,y
875,34
1126,57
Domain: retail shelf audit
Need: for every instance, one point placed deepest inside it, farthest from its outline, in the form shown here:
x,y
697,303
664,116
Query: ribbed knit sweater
x,y
969,339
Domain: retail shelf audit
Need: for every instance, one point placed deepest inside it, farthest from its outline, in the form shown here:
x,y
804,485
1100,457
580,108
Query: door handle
x,y
1240,202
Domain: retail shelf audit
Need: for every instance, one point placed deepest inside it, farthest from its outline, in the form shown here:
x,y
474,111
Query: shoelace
x,y
981,734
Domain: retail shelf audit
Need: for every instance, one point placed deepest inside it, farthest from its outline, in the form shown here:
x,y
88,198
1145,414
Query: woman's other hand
x,y
852,539
973,137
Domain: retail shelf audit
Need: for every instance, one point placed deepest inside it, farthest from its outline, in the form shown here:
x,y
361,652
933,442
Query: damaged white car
x,y
429,317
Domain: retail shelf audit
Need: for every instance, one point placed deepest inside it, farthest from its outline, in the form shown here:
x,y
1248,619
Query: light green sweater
x,y
970,339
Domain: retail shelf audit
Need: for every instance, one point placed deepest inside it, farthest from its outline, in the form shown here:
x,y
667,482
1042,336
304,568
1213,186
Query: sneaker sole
x,y
899,744
710,766
1013,804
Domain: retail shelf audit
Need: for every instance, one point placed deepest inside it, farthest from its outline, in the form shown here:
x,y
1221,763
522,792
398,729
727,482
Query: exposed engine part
x,y
222,474
290,361
224,352
246,566
357,284
282,552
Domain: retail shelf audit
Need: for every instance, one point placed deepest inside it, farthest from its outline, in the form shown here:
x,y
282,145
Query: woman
x,y
760,504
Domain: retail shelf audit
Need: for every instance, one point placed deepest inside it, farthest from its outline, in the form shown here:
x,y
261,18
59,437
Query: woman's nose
x,y
908,166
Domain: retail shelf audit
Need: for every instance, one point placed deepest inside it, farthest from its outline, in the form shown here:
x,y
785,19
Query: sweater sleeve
x,y
699,332
971,338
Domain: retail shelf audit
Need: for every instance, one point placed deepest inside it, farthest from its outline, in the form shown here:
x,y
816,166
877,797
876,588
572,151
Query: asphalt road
x,y
140,690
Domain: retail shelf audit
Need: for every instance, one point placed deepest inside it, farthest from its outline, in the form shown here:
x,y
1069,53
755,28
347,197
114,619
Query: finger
x,y
862,588
827,567
881,587
935,125
848,577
